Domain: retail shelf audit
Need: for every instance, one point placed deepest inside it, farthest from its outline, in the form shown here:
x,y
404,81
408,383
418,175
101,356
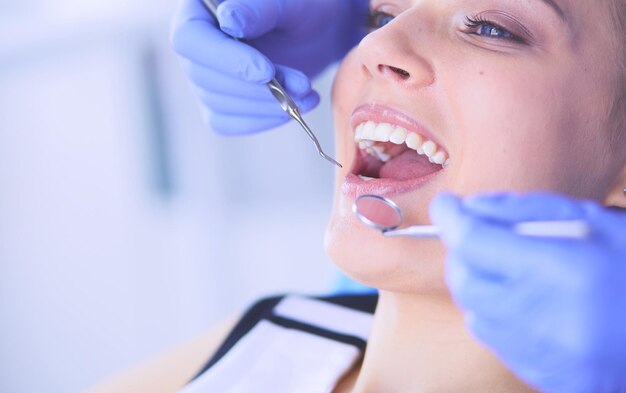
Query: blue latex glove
x,y
301,37
553,310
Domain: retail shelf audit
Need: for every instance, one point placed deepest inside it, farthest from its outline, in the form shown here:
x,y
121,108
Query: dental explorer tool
x,y
386,216
281,95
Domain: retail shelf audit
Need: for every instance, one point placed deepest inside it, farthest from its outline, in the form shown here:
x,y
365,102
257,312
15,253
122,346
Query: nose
x,y
394,55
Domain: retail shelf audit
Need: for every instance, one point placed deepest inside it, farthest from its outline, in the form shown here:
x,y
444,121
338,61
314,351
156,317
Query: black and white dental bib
x,y
290,344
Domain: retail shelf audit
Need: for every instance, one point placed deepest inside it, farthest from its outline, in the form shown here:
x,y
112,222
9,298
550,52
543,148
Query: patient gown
x,y
292,344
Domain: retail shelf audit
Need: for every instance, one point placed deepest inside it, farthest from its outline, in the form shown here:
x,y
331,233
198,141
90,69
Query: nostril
x,y
397,71
400,72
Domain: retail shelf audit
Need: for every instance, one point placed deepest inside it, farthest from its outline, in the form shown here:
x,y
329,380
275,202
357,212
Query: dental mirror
x,y
385,215
378,212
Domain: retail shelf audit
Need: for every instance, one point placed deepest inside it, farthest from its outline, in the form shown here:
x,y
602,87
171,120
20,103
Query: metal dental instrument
x,y
281,95
384,215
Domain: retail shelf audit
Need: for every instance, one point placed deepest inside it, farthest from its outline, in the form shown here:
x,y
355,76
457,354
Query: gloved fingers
x,y
205,78
609,223
536,360
496,249
521,348
198,40
475,290
488,332
296,83
507,341
510,207
253,18
237,106
445,209
468,237
490,297
233,125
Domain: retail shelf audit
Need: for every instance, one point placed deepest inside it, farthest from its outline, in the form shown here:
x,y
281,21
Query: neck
x,y
419,344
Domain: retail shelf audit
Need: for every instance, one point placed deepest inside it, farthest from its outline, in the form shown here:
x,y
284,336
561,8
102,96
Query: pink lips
x,y
353,185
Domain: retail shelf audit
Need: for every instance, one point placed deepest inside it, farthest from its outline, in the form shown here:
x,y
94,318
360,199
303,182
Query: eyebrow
x,y
553,4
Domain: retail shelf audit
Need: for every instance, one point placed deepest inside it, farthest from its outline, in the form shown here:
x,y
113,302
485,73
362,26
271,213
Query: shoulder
x,y
172,369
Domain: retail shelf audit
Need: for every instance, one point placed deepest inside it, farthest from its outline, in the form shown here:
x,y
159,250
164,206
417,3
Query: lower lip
x,y
353,186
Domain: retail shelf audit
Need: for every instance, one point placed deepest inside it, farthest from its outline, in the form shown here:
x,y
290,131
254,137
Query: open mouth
x,y
390,151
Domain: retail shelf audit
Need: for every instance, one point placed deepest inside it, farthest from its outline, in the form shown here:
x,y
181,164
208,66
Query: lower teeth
x,y
366,178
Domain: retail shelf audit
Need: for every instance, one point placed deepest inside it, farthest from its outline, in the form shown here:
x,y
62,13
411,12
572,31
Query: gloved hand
x,y
553,310
301,37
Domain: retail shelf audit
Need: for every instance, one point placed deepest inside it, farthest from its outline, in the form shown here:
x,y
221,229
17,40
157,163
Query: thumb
x,y
253,18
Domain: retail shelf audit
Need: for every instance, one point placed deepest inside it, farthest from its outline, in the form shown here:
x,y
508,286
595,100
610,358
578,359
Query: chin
x,y
389,264
394,265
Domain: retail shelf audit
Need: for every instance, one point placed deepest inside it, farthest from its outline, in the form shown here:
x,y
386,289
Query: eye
x,y
485,28
377,19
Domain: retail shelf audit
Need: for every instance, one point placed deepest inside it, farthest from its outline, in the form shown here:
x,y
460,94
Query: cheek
x,y
519,131
346,92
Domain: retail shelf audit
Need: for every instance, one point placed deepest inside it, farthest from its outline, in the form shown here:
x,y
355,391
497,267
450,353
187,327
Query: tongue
x,y
408,165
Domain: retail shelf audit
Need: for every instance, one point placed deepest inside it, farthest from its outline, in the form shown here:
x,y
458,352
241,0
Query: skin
x,y
171,370
512,117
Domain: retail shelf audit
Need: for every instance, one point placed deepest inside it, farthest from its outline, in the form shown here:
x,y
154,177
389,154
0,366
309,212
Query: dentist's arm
x,y
293,40
553,310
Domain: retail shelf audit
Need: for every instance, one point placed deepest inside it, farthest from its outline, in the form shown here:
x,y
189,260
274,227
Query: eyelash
x,y
476,22
473,25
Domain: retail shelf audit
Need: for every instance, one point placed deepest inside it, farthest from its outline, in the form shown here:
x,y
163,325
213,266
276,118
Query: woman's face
x,y
508,94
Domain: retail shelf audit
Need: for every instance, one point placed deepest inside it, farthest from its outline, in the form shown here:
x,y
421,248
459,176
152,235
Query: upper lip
x,y
379,113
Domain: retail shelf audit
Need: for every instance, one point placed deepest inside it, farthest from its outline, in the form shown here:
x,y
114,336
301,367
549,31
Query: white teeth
x,y
368,130
366,178
365,144
438,158
358,133
375,132
413,141
368,134
398,136
379,151
429,148
383,132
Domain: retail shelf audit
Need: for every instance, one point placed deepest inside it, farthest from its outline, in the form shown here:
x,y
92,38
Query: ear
x,y
617,196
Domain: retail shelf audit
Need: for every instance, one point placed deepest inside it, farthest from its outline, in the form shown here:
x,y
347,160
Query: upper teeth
x,y
366,134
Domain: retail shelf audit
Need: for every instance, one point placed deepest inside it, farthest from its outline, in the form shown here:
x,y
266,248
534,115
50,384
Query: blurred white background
x,y
126,226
